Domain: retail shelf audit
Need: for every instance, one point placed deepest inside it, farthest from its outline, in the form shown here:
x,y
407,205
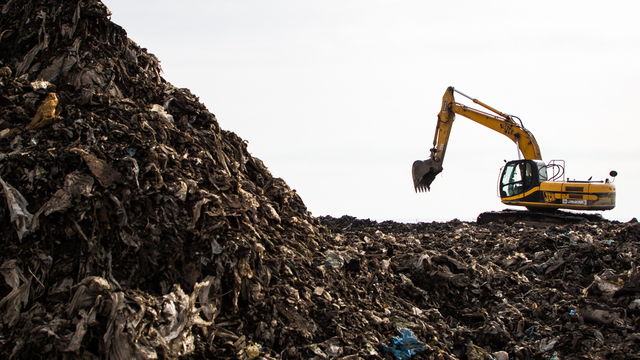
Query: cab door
x,y
517,177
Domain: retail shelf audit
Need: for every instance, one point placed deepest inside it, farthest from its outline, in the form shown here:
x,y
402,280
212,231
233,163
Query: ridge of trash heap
x,y
133,226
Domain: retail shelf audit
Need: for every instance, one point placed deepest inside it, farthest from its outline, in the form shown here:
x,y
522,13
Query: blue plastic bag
x,y
405,345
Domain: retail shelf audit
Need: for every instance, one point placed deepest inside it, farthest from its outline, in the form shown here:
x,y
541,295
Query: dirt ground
x,y
133,226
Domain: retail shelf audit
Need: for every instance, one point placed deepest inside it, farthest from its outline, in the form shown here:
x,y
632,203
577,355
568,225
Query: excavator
x,y
541,188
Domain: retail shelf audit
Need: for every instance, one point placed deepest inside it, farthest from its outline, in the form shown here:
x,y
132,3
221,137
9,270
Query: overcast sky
x,y
339,97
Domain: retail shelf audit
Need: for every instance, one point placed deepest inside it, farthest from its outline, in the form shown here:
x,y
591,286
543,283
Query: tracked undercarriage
x,y
537,218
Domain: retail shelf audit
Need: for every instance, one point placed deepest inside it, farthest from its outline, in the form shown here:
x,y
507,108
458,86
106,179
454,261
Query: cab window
x,y
516,178
542,171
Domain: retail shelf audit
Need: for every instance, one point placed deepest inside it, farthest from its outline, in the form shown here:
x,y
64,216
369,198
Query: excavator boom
x,y
425,171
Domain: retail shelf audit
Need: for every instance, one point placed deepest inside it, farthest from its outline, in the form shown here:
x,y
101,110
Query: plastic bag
x,y
405,345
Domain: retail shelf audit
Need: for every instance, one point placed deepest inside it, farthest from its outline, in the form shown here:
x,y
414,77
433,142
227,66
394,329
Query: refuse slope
x,y
135,227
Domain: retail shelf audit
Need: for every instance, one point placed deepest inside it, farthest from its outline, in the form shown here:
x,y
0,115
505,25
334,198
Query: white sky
x,y
339,97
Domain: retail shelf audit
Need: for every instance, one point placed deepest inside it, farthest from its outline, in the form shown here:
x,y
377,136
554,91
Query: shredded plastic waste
x,y
133,225
405,345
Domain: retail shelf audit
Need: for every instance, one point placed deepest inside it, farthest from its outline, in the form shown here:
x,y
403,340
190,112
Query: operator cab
x,y
520,176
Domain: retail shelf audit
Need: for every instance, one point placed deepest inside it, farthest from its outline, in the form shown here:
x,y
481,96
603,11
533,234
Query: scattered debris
x,y
133,226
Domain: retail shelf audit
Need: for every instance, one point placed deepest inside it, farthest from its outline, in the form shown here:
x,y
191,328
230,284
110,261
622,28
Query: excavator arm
x,y
425,171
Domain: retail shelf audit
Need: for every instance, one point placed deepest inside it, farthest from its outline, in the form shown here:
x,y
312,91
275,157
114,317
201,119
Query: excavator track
x,y
537,218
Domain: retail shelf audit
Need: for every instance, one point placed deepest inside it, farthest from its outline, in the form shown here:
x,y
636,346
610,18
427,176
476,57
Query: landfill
x,y
134,227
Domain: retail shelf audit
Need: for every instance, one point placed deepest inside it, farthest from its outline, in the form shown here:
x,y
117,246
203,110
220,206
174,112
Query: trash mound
x,y
130,216
135,227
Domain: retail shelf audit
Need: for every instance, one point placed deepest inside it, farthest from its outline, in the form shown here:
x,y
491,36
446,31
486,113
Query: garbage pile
x,y
133,226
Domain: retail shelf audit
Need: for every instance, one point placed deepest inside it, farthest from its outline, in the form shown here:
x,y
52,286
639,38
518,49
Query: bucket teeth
x,y
421,188
423,173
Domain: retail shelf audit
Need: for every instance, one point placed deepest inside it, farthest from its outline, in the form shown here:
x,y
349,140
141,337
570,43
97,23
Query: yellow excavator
x,y
528,181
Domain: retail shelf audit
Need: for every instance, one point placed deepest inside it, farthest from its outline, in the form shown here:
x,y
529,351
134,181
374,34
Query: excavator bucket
x,y
423,173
